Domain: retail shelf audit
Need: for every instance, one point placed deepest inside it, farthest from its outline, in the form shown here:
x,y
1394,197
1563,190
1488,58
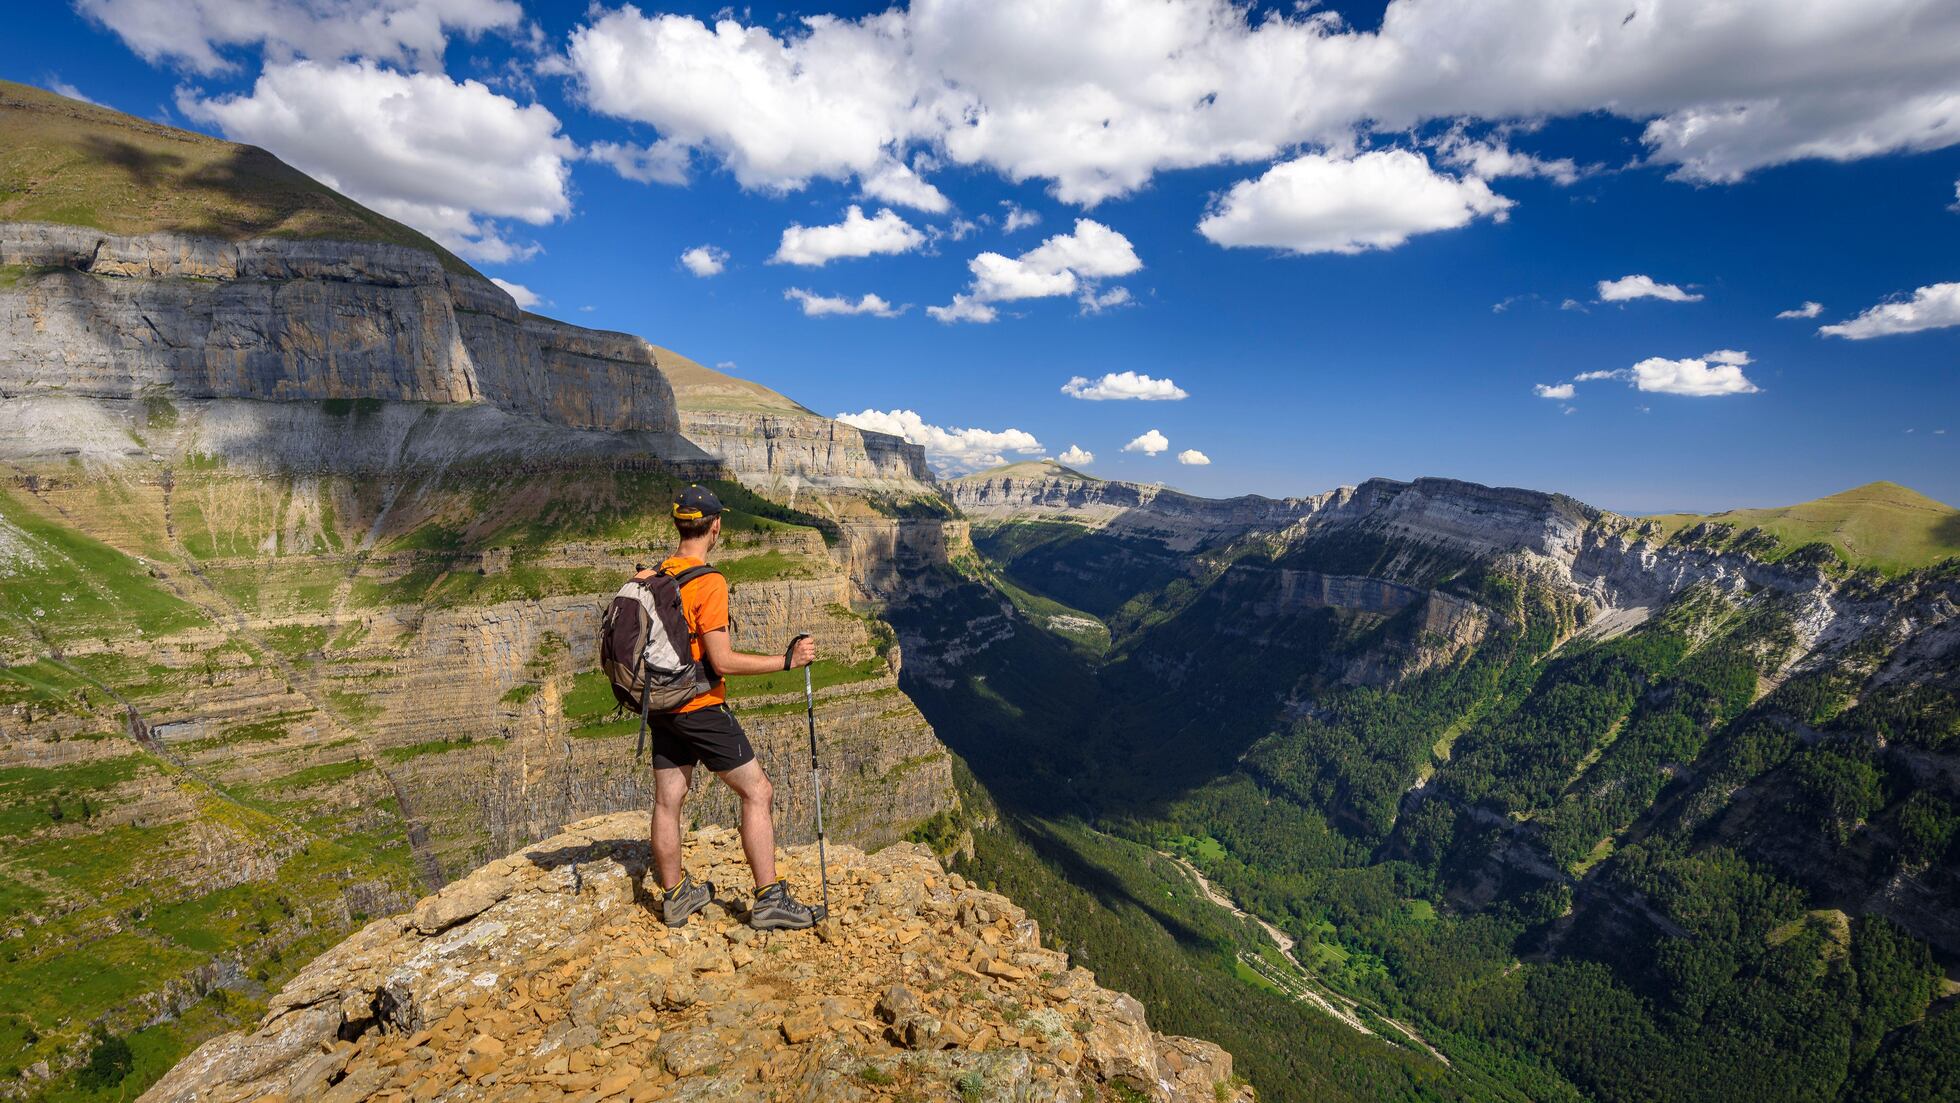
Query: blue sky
x,y
1314,215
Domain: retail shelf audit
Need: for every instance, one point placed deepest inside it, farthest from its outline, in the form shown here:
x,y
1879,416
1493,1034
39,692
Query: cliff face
x,y
103,316
341,520
546,974
776,445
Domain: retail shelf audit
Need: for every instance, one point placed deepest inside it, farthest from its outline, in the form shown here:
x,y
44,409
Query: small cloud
x,y
1065,264
817,306
1124,385
663,162
725,365
1628,288
1017,217
1515,300
1574,304
1707,376
1092,303
62,88
1193,458
1560,391
857,236
894,182
526,298
587,309
1807,310
705,260
1494,158
1152,443
1077,457
963,308
1935,306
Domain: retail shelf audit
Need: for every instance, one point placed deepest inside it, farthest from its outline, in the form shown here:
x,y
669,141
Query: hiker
x,y
704,730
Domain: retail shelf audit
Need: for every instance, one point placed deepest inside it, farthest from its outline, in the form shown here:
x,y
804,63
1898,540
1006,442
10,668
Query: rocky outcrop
x,y
767,449
1048,491
546,975
777,445
111,317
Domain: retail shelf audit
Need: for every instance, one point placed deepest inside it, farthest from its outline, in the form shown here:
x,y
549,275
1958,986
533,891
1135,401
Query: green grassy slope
x,y
65,161
1882,525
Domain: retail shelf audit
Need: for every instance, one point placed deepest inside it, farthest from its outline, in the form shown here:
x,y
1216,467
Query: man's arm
x,y
726,660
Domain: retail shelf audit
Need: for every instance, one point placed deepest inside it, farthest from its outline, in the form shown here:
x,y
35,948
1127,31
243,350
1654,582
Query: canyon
x,y
304,533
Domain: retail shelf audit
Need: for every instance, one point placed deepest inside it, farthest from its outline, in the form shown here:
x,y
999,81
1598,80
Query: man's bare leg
x,y
670,784
758,829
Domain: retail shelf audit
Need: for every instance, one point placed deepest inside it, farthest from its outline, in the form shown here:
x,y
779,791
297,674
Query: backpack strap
x,y
693,573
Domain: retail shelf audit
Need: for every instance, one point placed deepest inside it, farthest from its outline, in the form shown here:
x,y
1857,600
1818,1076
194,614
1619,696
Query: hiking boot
x,y
776,910
684,899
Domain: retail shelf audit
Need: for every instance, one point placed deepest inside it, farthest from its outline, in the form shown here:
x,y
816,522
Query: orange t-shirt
x,y
704,601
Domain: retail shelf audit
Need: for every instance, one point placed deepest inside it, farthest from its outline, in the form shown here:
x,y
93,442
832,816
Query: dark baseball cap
x,y
695,503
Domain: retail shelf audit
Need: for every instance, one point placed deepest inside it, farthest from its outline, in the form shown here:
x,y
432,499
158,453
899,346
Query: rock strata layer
x,y
548,975
112,317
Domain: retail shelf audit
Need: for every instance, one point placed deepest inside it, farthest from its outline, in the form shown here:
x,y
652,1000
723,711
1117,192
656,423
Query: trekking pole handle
x,y
789,652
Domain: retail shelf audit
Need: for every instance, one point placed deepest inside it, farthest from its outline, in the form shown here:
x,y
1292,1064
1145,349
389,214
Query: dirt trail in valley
x,y
1348,1014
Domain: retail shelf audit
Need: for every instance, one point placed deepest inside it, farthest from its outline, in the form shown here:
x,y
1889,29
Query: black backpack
x,y
644,645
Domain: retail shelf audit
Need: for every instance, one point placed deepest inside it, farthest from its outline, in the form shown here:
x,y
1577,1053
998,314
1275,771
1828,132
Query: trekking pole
x,y
816,775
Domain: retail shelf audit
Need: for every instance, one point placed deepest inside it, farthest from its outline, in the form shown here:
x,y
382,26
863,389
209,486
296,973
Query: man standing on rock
x,y
705,731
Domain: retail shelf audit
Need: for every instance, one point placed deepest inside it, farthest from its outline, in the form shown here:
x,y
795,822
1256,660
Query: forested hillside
x,y
1581,851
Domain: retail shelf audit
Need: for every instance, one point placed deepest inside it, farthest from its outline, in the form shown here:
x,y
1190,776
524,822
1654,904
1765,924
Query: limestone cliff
x,y
545,975
93,315
778,446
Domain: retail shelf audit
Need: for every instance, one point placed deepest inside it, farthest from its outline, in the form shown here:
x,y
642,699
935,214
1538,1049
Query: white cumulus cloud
x,y
1324,204
1193,458
1493,157
1696,378
192,33
816,306
524,296
1627,288
1097,96
894,182
1123,385
1017,217
705,260
1935,306
447,158
856,236
1707,376
1077,456
1807,310
963,308
1061,265
950,451
1151,443
1559,391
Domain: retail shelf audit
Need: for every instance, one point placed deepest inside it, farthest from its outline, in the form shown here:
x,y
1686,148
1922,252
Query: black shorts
x,y
709,736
